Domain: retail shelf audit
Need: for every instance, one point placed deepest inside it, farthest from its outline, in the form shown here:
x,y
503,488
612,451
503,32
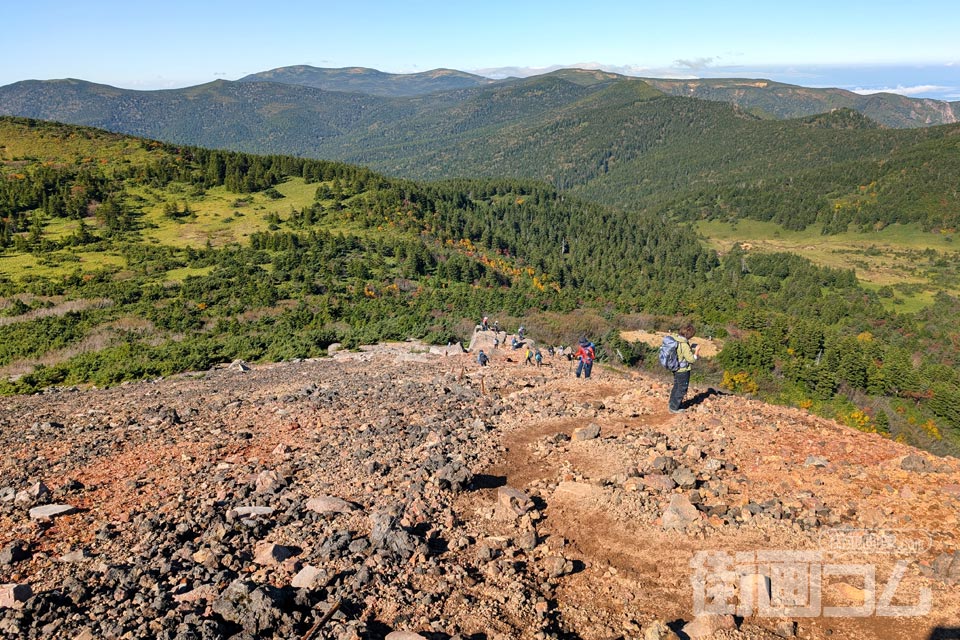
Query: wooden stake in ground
x,y
322,621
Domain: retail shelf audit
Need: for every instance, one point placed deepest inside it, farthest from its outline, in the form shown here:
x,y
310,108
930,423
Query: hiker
x,y
520,332
528,356
584,356
687,354
484,325
482,358
515,343
539,358
496,326
496,342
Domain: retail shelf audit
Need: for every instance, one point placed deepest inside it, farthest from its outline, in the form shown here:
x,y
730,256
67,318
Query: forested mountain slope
x,y
603,137
124,258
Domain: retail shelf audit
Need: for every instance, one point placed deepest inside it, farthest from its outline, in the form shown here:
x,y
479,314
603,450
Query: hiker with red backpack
x,y
585,355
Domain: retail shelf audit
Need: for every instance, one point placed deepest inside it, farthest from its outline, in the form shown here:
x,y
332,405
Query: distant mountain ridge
x,y
778,100
371,81
608,138
764,98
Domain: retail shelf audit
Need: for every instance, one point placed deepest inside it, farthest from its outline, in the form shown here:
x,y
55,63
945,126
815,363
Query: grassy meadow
x,y
903,263
217,217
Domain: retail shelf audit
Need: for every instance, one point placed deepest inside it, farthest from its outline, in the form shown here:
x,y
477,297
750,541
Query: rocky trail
x,y
394,492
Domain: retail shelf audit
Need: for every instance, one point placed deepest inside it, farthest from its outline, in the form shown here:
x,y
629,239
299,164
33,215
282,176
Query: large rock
x,y
50,511
404,635
679,513
450,350
15,551
658,630
13,596
513,502
589,432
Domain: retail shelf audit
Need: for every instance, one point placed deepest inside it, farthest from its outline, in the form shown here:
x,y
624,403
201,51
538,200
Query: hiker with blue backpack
x,y
678,356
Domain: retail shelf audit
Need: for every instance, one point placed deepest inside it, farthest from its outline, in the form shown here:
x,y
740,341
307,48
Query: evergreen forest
x,y
125,258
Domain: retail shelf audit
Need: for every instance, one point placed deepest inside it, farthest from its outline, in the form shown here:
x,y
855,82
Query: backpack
x,y
668,354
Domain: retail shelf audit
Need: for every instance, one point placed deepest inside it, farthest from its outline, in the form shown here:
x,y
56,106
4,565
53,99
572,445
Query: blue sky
x,y
911,48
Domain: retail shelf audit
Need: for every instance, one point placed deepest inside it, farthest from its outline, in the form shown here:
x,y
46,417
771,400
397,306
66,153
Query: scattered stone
x,y
269,482
50,511
239,365
786,629
453,476
308,577
917,463
589,432
270,554
205,593
330,504
658,482
247,512
664,464
36,492
707,624
816,461
14,551
679,513
513,502
404,635
658,630
78,555
576,490
946,568
684,477
556,566
528,540
252,607
13,596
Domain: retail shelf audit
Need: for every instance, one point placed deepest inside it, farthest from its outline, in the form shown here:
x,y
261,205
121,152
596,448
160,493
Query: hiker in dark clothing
x,y
482,358
687,355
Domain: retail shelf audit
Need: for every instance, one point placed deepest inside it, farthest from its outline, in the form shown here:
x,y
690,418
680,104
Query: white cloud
x,y
904,91
695,64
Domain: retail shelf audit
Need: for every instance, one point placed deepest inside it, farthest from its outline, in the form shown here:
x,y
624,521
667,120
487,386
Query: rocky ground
x,y
396,493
